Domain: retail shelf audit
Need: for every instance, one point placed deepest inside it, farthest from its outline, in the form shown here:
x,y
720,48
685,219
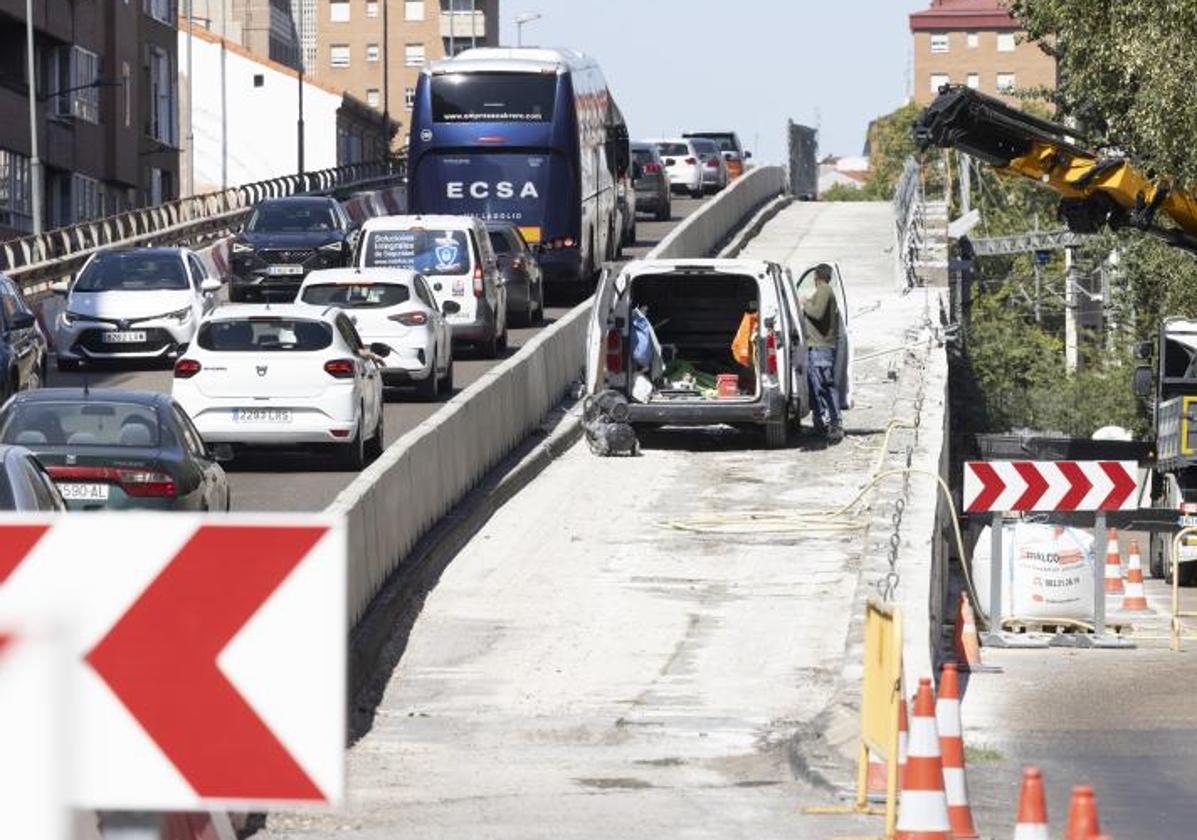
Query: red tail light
x,y
140,483
652,168
517,263
691,161
410,319
479,289
339,368
771,353
186,368
712,163
614,352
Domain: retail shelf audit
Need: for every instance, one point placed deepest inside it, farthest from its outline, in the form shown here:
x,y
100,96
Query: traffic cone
x,y
1032,807
1135,600
1113,564
923,814
1082,815
903,738
951,745
878,775
966,641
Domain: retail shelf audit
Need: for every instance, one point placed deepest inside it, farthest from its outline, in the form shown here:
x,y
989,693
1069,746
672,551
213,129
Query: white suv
x,y
683,164
283,376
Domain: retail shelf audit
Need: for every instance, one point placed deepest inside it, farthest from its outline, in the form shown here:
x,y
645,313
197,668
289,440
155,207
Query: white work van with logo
x,y
696,342
454,254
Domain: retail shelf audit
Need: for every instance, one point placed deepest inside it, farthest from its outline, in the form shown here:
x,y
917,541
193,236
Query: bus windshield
x,y
493,97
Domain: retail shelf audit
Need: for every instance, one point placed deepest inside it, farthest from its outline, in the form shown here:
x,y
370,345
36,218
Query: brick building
x,y
107,115
264,27
975,43
352,50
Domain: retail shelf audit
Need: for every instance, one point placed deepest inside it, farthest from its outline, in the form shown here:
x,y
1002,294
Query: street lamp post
x,y
35,164
520,20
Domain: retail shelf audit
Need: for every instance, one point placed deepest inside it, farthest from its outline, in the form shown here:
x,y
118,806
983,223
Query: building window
x,y
973,80
413,55
371,52
338,55
939,42
163,123
409,98
87,198
413,10
73,73
372,8
938,80
372,98
160,10
16,199
1006,42
970,38
1005,82
338,11
259,79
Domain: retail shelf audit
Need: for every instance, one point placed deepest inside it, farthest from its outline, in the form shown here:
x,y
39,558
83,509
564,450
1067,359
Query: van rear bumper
x,y
709,412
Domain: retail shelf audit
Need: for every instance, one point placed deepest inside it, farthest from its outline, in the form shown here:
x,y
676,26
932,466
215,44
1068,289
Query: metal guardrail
x,y
34,262
910,218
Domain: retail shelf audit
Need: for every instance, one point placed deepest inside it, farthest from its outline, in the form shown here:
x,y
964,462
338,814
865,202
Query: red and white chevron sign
x,y
206,655
1045,486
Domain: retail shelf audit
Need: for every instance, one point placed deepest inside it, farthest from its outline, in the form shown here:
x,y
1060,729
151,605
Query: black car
x,y
284,239
108,448
521,273
24,484
22,345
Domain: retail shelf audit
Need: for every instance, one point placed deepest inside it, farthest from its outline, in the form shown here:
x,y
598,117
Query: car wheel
x,y
631,240
66,365
540,302
489,348
377,440
698,191
502,340
353,453
665,213
776,434
429,387
447,379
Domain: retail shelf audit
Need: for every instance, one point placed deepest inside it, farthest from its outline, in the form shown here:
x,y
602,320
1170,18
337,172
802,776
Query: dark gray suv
x,y
652,182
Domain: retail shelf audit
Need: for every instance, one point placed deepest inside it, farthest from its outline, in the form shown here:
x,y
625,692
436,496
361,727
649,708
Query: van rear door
x,y
606,316
844,367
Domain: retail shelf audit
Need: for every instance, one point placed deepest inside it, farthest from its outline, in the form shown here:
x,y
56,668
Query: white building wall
x,y
261,121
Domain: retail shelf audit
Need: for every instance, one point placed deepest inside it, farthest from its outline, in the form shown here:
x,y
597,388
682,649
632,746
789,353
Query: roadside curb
x,y
742,238
409,582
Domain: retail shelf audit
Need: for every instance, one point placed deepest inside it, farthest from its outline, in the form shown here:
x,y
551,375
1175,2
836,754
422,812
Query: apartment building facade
x,y
975,43
267,28
355,54
107,110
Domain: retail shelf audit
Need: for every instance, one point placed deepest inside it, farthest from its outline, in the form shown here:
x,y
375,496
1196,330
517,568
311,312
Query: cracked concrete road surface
x,y
583,669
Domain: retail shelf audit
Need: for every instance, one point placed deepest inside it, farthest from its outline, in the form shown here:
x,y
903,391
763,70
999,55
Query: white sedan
x,y
394,307
284,376
133,303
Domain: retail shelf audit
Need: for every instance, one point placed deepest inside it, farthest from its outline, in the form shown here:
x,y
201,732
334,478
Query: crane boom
x,y
1096,190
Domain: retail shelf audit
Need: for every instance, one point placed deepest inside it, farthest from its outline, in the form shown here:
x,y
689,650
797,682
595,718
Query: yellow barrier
x,y
1177,614
880,696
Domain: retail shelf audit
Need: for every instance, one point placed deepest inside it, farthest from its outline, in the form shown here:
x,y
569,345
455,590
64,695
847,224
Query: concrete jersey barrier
x,y
424,474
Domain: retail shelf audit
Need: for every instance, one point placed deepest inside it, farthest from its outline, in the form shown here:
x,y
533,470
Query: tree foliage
x,y
890,144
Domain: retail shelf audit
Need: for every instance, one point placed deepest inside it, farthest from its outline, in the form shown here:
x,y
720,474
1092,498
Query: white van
x,y
696,307
454,254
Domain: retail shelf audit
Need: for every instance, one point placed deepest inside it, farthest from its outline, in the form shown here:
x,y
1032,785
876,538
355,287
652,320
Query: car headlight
x,y
242,248
69,317
181,315
333,247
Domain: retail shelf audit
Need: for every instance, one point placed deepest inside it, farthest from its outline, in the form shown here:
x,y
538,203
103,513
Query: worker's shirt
x,y
821,317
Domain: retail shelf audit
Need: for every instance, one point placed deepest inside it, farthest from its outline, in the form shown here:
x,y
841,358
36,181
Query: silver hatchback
x,y
652,182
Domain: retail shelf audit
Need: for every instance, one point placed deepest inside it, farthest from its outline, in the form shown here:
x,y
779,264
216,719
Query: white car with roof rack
x,y
284,376
395,307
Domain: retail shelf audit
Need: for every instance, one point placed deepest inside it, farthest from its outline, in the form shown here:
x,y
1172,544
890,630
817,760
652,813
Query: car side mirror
x,y
747,155
450,307
1143,350
1143,382
21,321
60,287
210,285
380,349
221,453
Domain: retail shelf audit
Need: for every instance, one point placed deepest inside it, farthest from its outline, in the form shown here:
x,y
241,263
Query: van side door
x,y
606,337
799,395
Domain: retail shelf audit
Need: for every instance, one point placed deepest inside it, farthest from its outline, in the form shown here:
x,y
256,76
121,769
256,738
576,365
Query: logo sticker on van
x,y
447,253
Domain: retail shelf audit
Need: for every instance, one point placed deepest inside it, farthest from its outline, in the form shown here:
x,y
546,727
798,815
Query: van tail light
x,y
517,264
479,289
771,353
614,352
409,319
339,368
691,161
141,483
186,368
652,168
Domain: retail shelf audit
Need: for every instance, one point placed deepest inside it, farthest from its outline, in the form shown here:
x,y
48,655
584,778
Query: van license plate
x,y
74,492
262,415
123,337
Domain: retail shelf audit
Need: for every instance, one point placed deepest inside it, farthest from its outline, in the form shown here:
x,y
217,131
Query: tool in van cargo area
x,y
728,385
605,419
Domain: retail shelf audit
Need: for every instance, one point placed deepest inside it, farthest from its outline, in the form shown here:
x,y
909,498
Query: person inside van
x,y
822,322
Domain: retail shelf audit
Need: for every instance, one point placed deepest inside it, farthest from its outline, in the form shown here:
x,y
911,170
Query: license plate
x,y
84,492
1188,521
123,337
262,415
286,270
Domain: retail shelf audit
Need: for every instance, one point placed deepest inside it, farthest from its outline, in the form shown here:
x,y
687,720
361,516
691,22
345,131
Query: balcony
x,y
463,24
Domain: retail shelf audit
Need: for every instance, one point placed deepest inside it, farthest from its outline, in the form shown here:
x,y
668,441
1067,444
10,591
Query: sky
x,y
745,65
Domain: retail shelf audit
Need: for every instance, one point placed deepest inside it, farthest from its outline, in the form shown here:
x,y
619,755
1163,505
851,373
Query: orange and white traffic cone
x,y
966,640
1135,599
923,814
951,746
903,738
878,775
1082,815
1113,564
1032,807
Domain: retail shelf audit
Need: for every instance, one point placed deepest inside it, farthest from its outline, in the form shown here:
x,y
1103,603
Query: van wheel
x,y
776,434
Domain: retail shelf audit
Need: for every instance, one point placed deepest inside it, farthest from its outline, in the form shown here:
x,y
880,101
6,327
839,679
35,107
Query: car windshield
x,y
289,217
133,271
705,147
81,423
500,242
672,149
642,156
356,295
723,141
430,252
258,334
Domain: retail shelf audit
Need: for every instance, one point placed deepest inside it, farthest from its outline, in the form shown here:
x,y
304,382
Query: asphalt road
x,y
310,481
